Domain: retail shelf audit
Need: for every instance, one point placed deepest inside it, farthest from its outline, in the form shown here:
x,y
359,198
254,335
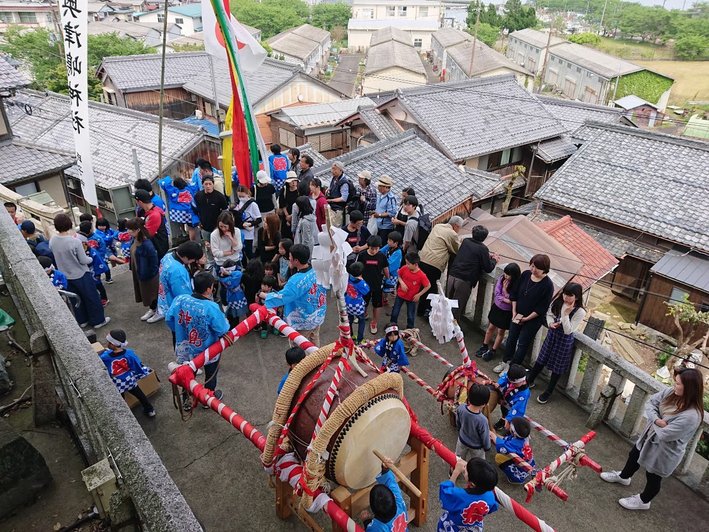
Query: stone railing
x,y
41,215
65,368
611,389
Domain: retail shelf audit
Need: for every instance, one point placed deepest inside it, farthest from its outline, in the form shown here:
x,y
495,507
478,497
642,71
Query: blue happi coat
x,y
278,164
303,300
59,279
514,398
174,281
394,258
124,368
399,522
354,296
235,298
393,355
462,511
109,238
179,202
518,446
197,323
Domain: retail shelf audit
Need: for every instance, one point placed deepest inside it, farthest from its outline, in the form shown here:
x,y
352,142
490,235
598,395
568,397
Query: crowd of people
x,y
258,248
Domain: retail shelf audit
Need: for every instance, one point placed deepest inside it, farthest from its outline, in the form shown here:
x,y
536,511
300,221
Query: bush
x,y
585,38
663,356
692,47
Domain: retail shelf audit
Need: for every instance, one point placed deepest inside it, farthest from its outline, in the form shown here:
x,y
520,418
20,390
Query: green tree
x,y
327,16
518,17
110,44
585,38
692,47
188,47
487,15
271,16
486,33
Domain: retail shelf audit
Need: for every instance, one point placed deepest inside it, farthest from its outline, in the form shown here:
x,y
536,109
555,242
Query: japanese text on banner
x,y
74,20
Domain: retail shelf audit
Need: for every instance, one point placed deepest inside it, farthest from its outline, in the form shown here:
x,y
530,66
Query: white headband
x,y
391,329
111,340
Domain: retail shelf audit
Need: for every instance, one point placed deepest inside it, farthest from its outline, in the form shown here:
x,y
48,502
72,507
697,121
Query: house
x,y
396,9
573,115
646,190
198,37
698,127
392,62
31,170
148,34
359,31
40,14
676,276
441,41
316,125
123,144
410,161
491,124
471,60
640,112
305,46
368,125
188,17
528,48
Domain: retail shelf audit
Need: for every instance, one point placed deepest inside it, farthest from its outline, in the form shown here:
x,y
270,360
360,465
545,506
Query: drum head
x,y
382,424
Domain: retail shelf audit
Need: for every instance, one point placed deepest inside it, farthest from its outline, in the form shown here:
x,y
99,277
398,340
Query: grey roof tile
x,y
479,116
390,34
692,270
382,126
450,37
142,72
299,42
650,182
10,77
594,60
321,114
573,114
27,161
393,54
115,132
486,59
536,38
318,158
411,161
554,150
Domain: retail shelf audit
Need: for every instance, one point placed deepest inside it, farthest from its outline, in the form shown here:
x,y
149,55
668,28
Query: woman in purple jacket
x,y
500,314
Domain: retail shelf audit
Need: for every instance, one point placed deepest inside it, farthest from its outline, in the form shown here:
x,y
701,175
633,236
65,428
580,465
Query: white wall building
x,y
188,17
29,15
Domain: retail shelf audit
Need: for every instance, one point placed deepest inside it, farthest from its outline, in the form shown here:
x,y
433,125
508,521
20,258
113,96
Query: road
x,y
345,74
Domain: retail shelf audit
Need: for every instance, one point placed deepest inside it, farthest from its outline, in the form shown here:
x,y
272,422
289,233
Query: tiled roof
x,y
115,132
294,45
692,269
487,184
142,72
137,30
318,158
382,126
390,34
554,150
28,161
597,261
320,114
573,114
450,36
604,65
536,38
475,117
394,54
631,102
486,59
650,182
411,161
311,32
10,77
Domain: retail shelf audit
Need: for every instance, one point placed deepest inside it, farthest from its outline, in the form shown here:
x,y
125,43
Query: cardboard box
x,y
149,384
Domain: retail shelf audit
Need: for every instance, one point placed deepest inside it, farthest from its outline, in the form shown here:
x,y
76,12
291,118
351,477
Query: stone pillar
x,y
44,400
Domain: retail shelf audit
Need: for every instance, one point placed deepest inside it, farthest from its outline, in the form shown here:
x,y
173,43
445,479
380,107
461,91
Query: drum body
x,y
381,423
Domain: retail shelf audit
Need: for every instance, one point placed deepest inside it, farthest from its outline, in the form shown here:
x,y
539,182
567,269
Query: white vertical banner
x,y
74,20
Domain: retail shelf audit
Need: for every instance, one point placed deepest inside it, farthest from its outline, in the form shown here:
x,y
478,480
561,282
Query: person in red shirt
x,y
412,284
154,222
320,200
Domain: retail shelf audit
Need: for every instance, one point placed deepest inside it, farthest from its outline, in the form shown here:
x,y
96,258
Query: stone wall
x,y
66,369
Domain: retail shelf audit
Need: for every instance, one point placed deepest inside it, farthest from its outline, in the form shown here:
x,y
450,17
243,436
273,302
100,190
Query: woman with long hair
x,y
144,266
247,217
500,315
530,299
225,240
268,237
673,417
563,317
307,230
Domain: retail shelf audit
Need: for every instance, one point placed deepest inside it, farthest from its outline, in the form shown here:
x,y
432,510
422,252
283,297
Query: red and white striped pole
x,y
584,460
274,320
418,380
569,455
461,344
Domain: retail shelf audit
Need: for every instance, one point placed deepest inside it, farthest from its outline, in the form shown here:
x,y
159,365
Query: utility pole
x,y
475,38
162,89
603,15
546,57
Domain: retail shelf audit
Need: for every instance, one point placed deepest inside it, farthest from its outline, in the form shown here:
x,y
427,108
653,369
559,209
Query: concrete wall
x,y
576,82
525,55
358,40
390,79
98,413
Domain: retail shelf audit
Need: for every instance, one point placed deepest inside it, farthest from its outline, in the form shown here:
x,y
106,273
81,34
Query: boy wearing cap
x,y
125,368
386,207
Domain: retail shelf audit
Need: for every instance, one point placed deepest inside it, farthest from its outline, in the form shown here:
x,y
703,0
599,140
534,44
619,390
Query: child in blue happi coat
x,y
517,442
357,288
180,197
110,238
389,510
391,349
293,355
230,277
392,251
125,368
58,278
463,509
95,248
125,238
514,395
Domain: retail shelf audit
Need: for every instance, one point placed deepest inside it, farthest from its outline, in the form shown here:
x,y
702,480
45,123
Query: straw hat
x,y
385,181
365,174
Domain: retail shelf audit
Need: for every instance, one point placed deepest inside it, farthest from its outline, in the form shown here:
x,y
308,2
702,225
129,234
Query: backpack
x,y
353,201
239,214
424,229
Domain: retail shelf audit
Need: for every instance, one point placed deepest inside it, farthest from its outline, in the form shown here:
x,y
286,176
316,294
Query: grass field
x,y
691,78
634,50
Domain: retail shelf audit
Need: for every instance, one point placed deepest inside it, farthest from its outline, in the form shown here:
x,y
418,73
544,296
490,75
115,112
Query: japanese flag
x,y
251,53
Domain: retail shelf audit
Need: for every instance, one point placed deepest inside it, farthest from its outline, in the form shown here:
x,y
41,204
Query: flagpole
x,y
217,110
162,89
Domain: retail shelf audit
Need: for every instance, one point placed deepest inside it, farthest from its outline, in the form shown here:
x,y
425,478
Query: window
x,y
418,43
391,11
578,69
286,138
570,87
678,295
423,12
27,189
161,17
179,21
402,11
27,18
504,158
552,76
367,13
568,65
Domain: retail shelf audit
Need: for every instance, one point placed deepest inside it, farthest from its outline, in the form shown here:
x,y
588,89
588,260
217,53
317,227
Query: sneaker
x,y
105,302
500,425
482,350
614,476
543,398
488,355
155,318
218,395
501,367
634,502
103,323
264,334
108,281
83,325
356,320
150,413
187,403
373,328
531,385
147,315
